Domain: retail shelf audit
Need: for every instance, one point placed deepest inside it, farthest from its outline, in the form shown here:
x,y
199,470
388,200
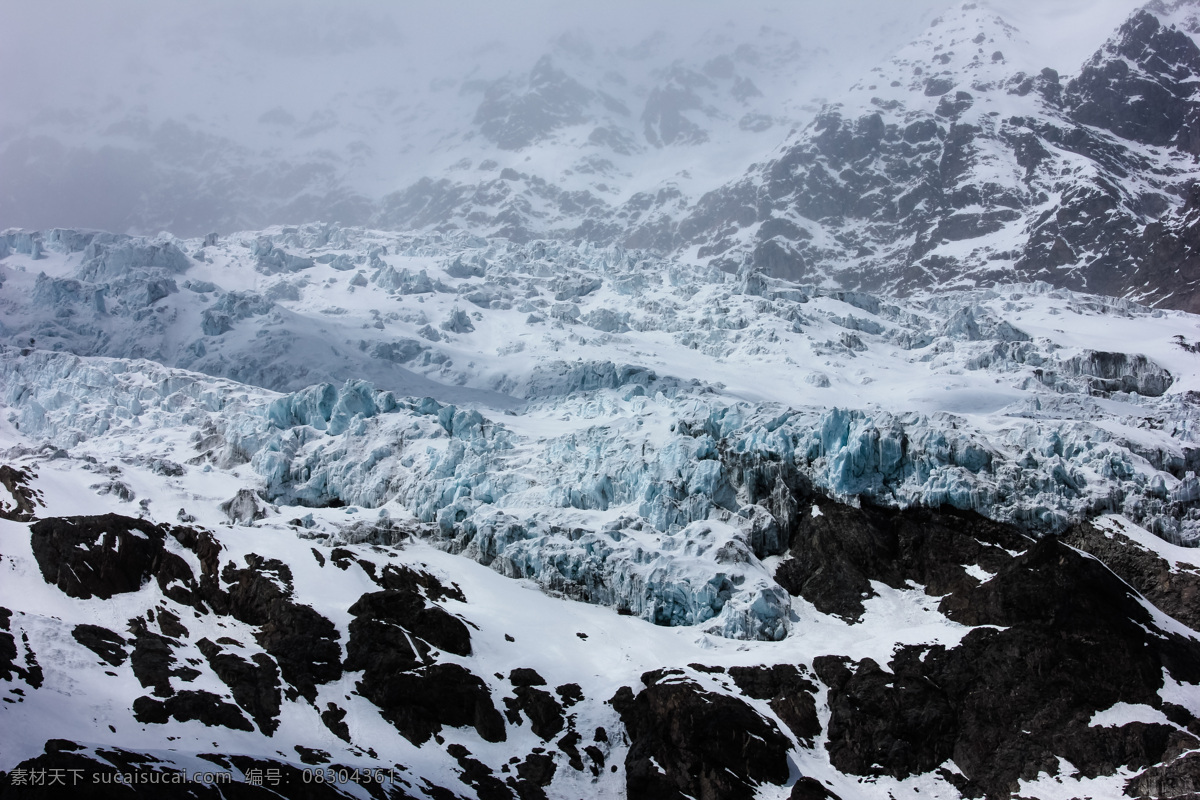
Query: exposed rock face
x,y
254,682
97,556
420,701
1174,590
108,645
790,694
1058,614
838,552
190,704
517,116
23,499
685,741
10,670
407,610
1136,86
303,643
392,640
153,660
879,187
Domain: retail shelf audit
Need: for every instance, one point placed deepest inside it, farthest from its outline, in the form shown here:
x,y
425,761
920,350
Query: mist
x,y
140,117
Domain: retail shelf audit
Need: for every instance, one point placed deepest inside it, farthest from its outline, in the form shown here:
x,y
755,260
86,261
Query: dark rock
x,y
688,742
309,755
303,643
787,691
153,660
188,705
1008,701
596,755
810,789
836,555
419,702
408,610
570,694
514,117
568,745
10,669
537,768
24,498
478,775
170,624
1150,102
380,648
1180,778
1175,592
108,645
254,684
544,712
97,556
664,118
524,676
334,718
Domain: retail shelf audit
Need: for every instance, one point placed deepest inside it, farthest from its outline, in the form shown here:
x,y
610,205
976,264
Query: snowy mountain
x,y
957,164
573,438
606,457
406,117
963,159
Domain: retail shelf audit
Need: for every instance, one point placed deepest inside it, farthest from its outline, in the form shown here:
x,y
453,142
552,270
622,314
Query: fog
x,y
140,116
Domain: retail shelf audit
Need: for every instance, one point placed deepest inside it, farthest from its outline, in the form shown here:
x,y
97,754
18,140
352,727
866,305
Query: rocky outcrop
x,y
791,695
688,742
1173,588
394,639
27,670
545,714
838,550
303,643
190,704
110,646
420,701
254,682
23,500
98,556
1056,614
516,116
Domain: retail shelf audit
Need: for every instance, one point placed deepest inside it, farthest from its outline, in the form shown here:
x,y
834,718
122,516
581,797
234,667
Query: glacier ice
x,y
640,482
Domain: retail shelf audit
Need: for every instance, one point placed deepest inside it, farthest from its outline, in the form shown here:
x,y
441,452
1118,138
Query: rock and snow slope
x,y
338,511
408,447
983,151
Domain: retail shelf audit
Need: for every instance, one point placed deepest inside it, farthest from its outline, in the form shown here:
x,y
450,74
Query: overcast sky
x,y
54,46
378,76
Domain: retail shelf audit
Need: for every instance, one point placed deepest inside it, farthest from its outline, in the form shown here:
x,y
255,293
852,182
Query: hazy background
x,y
141,116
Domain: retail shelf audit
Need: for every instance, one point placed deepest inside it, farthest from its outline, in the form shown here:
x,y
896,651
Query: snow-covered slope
x,y
1026,403
821,486
963,161
271,594
233,117
651,443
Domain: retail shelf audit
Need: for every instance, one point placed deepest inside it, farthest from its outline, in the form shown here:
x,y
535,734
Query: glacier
x,y
551,457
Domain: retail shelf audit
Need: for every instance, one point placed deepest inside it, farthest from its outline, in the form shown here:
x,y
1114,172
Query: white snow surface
x,y
589,404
